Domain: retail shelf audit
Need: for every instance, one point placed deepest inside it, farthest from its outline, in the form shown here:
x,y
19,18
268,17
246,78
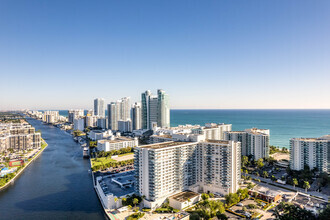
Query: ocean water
x,y
283,124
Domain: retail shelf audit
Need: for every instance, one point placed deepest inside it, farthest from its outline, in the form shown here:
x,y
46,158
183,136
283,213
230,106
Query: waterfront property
x,y
165,169
313,152
191,133
116,143
254,141
113,188
18,137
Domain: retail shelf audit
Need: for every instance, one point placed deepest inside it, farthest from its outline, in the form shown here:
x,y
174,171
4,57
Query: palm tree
x,y
135,201
265,174
294,182
306,186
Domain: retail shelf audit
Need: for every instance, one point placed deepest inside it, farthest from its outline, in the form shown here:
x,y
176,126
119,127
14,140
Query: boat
x,y
86,152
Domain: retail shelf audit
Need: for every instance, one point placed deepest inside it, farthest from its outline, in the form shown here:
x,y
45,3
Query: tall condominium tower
x,y
136,116
113,115
125,108
255,142
99,107
74,114
314,152
164,169
155,109
163,109
118,111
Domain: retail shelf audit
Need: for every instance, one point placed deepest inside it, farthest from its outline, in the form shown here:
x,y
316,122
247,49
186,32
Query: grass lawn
x,y
121,155
101,161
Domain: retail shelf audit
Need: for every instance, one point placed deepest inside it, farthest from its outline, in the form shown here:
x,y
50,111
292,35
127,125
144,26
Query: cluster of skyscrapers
x,y
153,111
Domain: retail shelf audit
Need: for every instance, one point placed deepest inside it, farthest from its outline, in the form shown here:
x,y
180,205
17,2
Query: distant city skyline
x,y
204,54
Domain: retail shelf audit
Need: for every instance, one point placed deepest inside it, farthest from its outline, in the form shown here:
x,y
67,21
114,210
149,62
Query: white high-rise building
x,y
113,115
79,124
155,109
313,152
254,141
125,108
74,114
163,109
119,110
213,131
51,116
91,121
99,107
136,116
164,169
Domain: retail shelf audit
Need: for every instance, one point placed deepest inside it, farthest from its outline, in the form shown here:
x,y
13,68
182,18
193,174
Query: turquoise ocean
x,y
283,124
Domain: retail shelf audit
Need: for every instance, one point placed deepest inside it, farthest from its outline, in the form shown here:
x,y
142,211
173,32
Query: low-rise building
x,y
266,194
116,143
96,135
184,199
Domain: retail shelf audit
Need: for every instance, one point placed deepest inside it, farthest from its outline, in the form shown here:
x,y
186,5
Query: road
x,y
313,193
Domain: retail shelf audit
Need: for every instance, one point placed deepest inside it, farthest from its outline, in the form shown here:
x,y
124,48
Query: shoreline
x,y
97,192
21,171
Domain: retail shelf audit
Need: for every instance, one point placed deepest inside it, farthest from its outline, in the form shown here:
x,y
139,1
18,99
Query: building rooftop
x,y
236,131
311,139
164,145
184,196
116,140
163,136
266,191
217,141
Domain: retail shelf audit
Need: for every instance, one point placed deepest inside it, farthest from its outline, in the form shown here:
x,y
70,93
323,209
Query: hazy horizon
x,y
204,54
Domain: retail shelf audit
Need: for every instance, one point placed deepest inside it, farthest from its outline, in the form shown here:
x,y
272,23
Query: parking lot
x,y
109,186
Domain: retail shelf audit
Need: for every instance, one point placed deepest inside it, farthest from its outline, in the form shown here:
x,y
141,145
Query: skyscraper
x,y
99,107
125,108
313,152
163,109
113,115
145,97
119,111
255,142
155,109
136,116
164,169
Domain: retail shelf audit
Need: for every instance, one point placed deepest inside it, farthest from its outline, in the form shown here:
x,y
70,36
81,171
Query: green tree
x,y
306,186
294,182
245,161
324,214
265,174
135,202
290,211
208,209
260,163
205,196
232,198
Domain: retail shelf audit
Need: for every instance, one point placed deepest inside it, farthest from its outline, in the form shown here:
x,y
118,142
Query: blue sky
x,y
205,54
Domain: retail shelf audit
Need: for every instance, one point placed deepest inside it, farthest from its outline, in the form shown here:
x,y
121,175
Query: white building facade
x,y
313,152
165,169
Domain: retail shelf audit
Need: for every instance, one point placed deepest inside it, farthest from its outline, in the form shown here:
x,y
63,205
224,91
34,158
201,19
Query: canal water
x,y
57,185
